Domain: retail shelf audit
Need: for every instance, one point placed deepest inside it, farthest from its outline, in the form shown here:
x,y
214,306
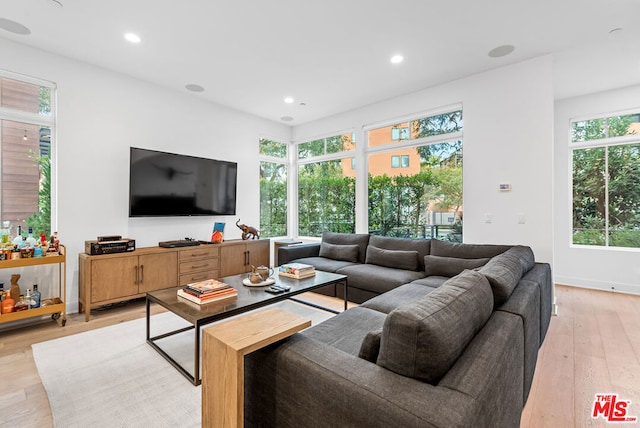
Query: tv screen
x,y
169,184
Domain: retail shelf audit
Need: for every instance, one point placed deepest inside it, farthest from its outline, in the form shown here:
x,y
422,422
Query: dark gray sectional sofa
x,y
449,339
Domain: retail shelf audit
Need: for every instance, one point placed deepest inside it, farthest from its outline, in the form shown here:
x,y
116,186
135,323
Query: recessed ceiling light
x,y
132,38
397,59
14,27
288,100
194,88
286,118
503,50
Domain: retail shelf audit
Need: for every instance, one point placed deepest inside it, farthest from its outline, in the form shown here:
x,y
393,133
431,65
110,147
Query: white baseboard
x,y
597,285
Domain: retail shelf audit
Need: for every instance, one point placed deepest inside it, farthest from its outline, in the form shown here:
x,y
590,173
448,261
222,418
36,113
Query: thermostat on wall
x,y
505,187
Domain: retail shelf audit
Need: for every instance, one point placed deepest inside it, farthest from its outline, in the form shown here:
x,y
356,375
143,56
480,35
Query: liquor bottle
x,y
35,297
28,298
8,304
18,239
21,304
30,239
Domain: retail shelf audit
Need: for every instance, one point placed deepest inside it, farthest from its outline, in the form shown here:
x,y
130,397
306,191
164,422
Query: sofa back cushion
x,y
422,246
398,259
450,266
466,251
359,239
347,253
424,338
505,270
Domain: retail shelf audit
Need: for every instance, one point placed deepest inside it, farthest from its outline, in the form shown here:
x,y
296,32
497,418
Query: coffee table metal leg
x,y
345,294
148,318
196,359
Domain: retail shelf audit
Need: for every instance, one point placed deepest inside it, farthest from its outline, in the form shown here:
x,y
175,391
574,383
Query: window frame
x,y
286,161
605,143
43,121
398,145
297,162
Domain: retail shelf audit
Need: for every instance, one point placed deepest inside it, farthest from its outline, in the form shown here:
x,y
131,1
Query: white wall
x,y
605,269
508,131
100,114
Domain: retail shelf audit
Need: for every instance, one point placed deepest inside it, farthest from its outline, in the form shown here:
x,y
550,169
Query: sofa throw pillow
x,y
422,246
525,255
423,339
370,346
398,259
503,272
359,239
450,266
466,251
347,253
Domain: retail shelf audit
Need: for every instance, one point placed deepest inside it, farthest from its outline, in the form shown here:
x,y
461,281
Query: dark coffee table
x,y
249,298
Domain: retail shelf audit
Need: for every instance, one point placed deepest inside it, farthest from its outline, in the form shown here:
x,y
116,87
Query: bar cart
x,y
56,306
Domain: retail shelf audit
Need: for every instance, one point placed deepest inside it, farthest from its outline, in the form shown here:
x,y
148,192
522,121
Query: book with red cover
x,y
216,298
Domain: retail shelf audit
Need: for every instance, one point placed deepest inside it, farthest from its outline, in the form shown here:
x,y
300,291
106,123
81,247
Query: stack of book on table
x,y
207,291
297,270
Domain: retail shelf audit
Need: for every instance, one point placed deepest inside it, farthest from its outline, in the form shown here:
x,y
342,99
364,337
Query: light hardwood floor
x,y
592,346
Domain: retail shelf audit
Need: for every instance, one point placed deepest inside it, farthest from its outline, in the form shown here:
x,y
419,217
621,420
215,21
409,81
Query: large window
x,y
273,188
26,127
606,181
326,185
415,178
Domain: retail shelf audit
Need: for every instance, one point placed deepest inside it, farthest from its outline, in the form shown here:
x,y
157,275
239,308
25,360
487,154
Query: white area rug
x,y
111,377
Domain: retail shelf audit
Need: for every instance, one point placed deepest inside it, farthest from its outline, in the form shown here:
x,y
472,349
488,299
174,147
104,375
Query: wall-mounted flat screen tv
x,y
168,184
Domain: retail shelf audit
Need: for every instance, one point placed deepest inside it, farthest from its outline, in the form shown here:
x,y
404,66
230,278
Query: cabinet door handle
x,y
136,280
141,274
198,254
199,266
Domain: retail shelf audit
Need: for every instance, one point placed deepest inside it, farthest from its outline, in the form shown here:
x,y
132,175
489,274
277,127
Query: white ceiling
x,y
333,55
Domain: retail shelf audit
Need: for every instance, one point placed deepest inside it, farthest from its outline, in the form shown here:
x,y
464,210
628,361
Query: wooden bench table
x,y
224,346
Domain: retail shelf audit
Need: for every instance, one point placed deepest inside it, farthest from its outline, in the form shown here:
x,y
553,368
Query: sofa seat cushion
x,y
324,264
466,251
378,279
397,259
450,266
359,239
347,330
397,297
347,253
434,281
503,272
422,246
423,339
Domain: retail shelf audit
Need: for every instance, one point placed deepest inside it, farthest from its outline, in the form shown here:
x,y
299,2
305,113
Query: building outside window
x,y
606,180
26,127
273,188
